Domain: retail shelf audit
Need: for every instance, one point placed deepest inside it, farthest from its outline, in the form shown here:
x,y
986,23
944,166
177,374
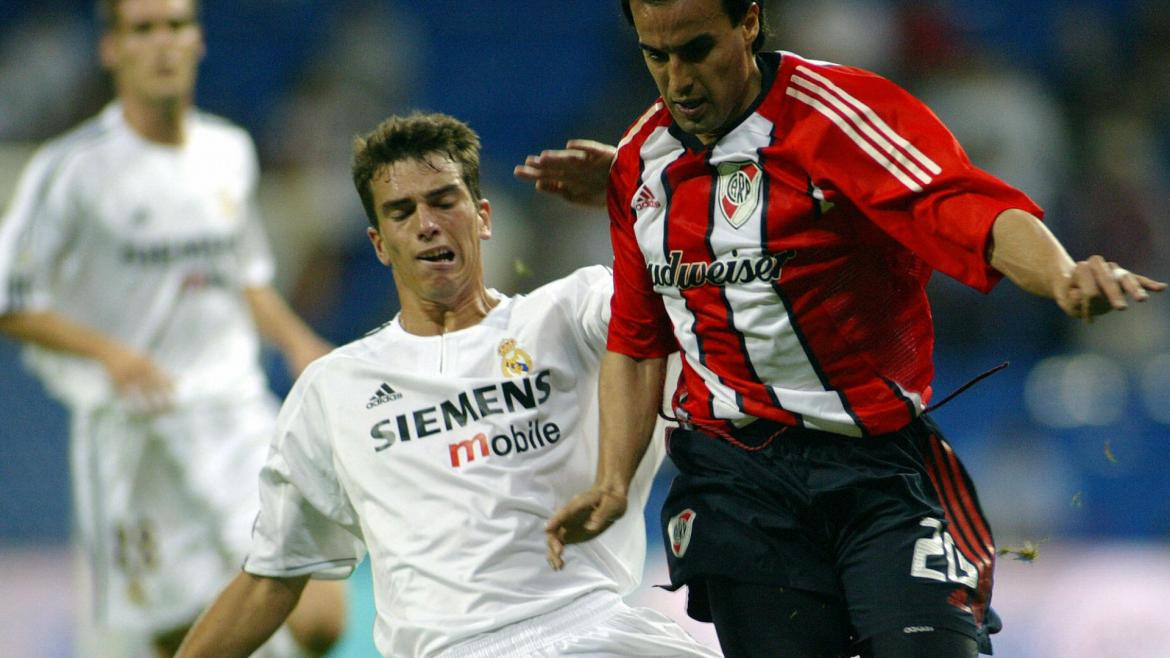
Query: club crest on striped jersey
x,y
738,190
515,362
679,530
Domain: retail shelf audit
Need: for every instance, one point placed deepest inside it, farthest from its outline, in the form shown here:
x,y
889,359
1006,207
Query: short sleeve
x,y
593,305
639,326
35,233
306,523
868,140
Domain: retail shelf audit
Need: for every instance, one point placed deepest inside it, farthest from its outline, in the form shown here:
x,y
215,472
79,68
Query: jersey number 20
x,y
939,543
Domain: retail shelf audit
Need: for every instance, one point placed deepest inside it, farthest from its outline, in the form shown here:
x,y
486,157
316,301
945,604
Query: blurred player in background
x,y
442,442
776,219
134,265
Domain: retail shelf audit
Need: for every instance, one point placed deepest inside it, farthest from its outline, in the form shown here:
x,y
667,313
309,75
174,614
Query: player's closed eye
x,y
401,212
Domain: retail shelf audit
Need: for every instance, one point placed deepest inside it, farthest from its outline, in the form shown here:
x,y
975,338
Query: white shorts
x,y
164,506
598,625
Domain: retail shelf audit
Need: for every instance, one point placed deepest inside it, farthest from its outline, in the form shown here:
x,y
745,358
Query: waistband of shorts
x,y
762,432
540,632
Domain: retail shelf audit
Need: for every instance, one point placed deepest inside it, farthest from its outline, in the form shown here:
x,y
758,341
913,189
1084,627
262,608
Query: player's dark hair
x,y
735,10
414,137
107,13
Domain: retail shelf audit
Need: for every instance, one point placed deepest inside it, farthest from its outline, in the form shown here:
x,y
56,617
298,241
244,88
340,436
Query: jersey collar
x,y
769,64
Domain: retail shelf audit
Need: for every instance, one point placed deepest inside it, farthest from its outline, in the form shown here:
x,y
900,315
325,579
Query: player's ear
x,y
201,50
375,237
108,51
484,211
751,23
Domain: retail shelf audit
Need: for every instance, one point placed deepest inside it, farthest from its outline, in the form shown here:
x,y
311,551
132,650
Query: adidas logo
x,y
646,199
382,396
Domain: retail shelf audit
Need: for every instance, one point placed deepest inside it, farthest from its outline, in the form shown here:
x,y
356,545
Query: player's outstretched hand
x,y
584,517
1097,286
577,173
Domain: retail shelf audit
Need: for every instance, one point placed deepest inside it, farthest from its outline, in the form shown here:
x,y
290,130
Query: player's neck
x,y
161,122
427,318
751,93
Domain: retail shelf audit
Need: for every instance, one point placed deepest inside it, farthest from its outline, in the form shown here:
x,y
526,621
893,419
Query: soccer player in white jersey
x,y
133,264
441,443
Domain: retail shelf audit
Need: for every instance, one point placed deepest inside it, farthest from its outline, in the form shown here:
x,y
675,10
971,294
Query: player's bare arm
x,y
284,328
630,392
576,173
247,612
318,620
135,377
1025,251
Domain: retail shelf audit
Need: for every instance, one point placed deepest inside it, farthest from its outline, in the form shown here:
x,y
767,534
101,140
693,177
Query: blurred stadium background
x,y
1068,99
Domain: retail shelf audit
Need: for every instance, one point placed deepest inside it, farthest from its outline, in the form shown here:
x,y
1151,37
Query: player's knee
x,y
318,621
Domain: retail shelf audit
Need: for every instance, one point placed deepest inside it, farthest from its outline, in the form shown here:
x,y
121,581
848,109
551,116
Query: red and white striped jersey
x,y
788,261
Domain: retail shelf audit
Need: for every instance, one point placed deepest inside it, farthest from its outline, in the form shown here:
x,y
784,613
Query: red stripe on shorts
x,y
972,536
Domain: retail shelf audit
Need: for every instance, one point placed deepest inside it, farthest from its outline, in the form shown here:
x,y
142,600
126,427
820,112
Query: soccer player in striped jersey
x,y
442,442
776,219
134,265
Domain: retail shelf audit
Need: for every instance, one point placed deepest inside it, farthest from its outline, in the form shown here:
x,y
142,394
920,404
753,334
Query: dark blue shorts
x,y
889,526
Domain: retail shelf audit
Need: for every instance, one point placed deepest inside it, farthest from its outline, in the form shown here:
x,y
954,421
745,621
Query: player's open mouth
x,y
439,255
690,108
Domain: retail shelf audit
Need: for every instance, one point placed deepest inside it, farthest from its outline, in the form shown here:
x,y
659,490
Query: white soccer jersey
x,y
148,243
444,456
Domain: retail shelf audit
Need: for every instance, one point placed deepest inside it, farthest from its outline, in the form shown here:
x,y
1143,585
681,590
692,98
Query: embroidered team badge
x,y
679,529
515,362
738,191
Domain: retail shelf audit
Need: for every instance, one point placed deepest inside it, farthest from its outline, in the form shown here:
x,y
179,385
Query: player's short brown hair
x,y
107,13
735,10
414,137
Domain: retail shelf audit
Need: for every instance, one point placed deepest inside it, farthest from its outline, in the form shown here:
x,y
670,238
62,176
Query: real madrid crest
x,y
738,190
515,362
